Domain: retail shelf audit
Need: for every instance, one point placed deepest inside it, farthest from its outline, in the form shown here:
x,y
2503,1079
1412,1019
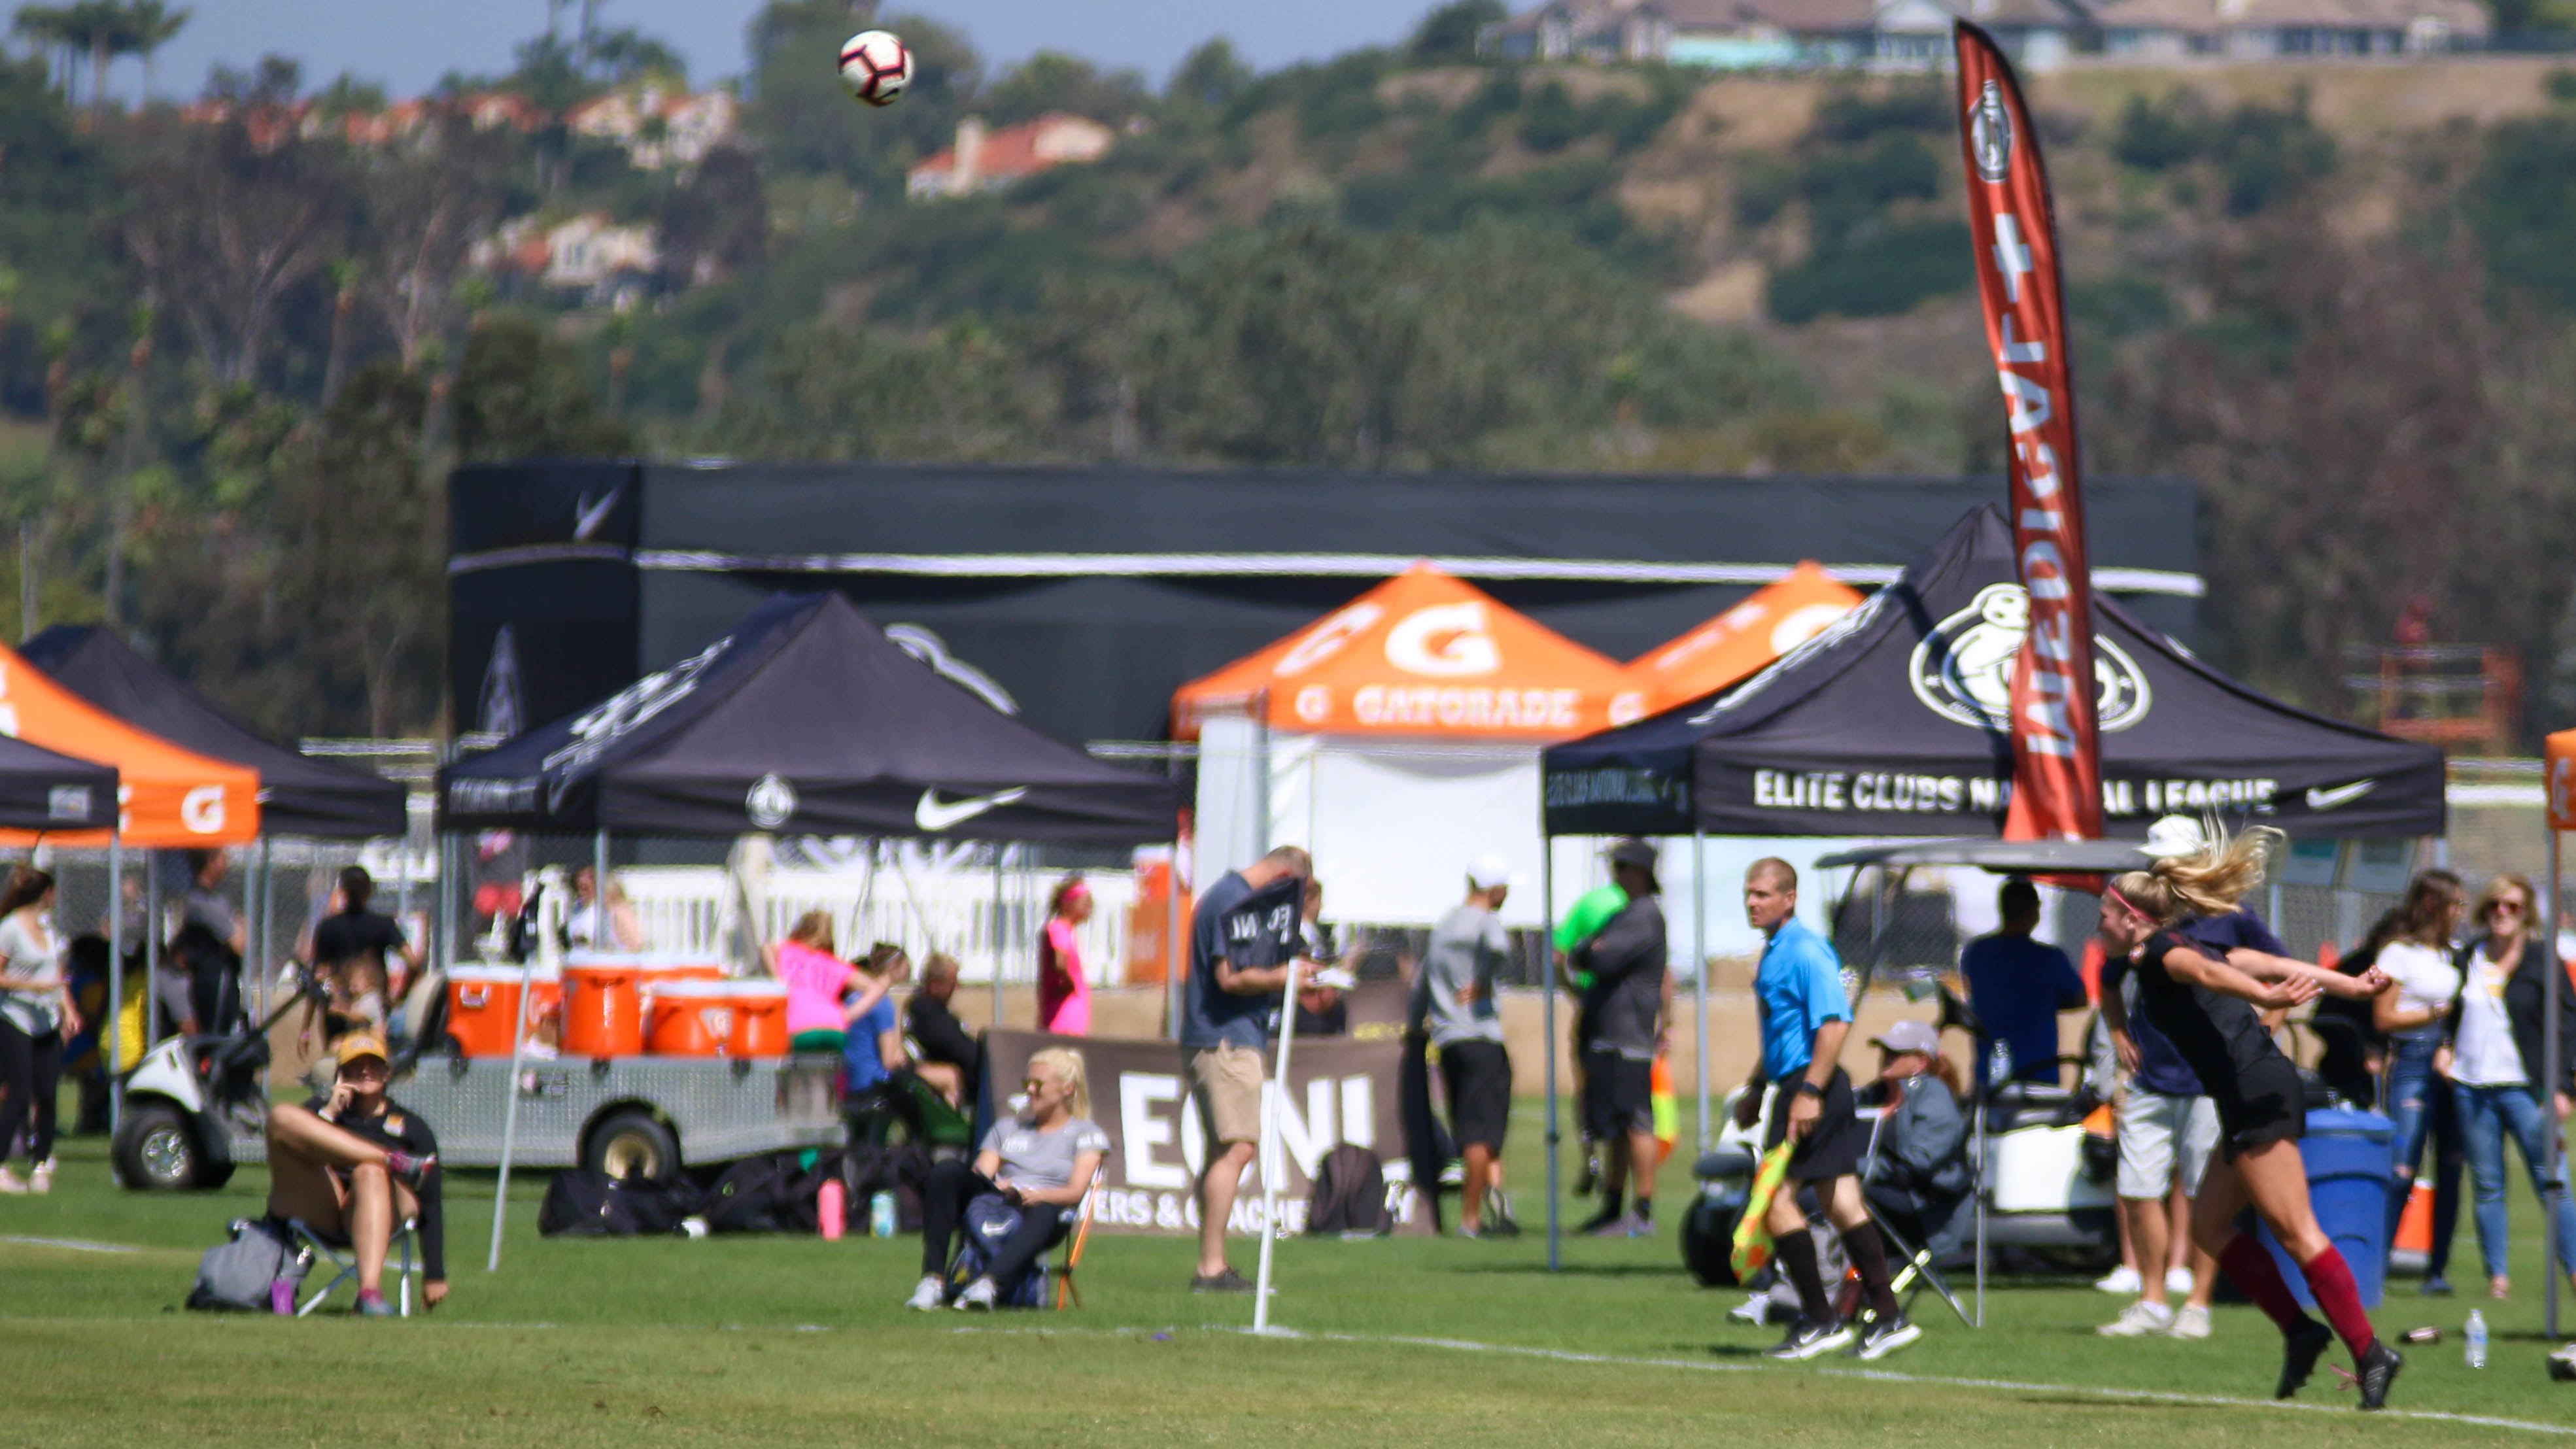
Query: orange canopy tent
x,y
169,797
1774,620
1424,654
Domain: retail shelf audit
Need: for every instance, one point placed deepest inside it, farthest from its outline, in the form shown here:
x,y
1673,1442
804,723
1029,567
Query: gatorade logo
x,y
201,810
1445,641
1329,638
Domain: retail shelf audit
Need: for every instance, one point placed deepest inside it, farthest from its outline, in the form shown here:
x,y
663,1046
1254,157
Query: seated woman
x,y
351,1165
1918,1178
1040,1162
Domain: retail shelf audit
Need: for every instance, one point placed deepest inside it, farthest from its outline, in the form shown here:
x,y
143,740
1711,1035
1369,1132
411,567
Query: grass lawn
x,y
775,1341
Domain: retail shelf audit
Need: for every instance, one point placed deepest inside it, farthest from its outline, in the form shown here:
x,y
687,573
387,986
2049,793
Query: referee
x,y
1805,1015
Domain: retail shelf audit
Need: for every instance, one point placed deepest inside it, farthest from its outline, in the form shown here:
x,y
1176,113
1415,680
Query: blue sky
x,y
406,47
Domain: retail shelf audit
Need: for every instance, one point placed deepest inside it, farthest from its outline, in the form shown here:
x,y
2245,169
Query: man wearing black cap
x,y
1624,1010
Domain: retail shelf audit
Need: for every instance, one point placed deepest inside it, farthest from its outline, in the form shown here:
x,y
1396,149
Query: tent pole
x,y
254,998
1547,989
1699,958
603,936
999,850
1175,960
111,1038
151,949
2551,1049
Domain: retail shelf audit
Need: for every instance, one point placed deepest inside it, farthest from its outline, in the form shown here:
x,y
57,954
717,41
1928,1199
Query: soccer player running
x,y
1805,1014
2208,1007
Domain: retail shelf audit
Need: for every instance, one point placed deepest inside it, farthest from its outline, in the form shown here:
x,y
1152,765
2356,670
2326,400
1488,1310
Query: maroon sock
x,y
2330,1279
2248,1264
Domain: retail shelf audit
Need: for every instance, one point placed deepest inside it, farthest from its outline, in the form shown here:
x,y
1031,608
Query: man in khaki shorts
x,y
1243,940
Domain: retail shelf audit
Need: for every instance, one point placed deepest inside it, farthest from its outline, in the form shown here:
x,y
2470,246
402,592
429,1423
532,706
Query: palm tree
x,y
49,26
149,25
97,27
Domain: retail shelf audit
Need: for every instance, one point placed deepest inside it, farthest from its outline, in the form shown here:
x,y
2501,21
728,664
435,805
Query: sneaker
x,y
2562,1364
2300,1351
11,1183
2378,1372
1590,1177
1810,1340
372,1304
1499,1222
2436,1286
408,1170
2123,1279
1225,1281
2191,1322
978,1297
42,1178
1593,1225
2138,1320
1884,1337
2178,1282
1756,1310
930,1293
1626,1225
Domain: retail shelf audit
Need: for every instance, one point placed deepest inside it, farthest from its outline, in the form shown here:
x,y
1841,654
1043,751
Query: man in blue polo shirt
x,y
2017,984
1805,1014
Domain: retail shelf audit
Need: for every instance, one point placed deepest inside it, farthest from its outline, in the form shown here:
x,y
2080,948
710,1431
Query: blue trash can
x,y
2348,1155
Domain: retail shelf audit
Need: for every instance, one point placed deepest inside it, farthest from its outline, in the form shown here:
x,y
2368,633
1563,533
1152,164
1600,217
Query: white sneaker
x,y
978,1297
2178,1282
2124,1279
42,1178
11,1183
2191,1322
930,1294
1755,1310
2138,1320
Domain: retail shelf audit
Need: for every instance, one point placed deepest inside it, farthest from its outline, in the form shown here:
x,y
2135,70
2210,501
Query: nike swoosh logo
x,y
2340,794
935,815
587,517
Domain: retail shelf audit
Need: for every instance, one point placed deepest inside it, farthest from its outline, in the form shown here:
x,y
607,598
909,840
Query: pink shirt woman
x,y
818,1019
1064,996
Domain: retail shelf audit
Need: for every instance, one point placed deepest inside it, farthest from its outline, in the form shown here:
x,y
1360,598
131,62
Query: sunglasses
x,y
2506,908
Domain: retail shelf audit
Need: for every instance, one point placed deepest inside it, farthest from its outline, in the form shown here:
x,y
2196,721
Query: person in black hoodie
x,y
2492,1052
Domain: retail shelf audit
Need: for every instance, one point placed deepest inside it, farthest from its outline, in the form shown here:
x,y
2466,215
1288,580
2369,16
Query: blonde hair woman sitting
x,y
2209,1008
1040,1162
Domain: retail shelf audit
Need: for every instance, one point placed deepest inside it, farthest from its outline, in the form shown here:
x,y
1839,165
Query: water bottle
x,y
832,1208
2476,1334
881,1215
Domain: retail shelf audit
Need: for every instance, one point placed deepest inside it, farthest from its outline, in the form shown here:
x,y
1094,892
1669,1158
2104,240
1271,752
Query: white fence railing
x,y
689,908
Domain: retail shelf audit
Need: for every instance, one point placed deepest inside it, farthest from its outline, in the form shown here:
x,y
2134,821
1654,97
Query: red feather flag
x,y
2056,739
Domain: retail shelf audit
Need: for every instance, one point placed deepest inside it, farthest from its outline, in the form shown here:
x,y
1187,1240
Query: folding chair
x,y
1918,1272
1065,1293
334,1252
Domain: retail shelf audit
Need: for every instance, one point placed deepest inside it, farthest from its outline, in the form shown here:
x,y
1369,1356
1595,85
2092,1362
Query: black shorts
x,y
1835,1145
1618,1094
1479,1074
2268,1104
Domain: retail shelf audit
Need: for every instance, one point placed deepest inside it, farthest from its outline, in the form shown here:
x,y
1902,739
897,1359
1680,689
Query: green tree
x,y
1210,77
1052,81
801,118
522,392
1447,36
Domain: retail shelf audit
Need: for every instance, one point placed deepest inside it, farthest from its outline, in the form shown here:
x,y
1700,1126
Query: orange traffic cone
x,y
2415,1225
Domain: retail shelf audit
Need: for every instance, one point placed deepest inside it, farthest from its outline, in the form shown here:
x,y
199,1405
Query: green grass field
x,y
775,1341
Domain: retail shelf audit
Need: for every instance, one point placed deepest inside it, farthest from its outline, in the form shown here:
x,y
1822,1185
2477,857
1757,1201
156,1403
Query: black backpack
x,y
1350,1195
584,1204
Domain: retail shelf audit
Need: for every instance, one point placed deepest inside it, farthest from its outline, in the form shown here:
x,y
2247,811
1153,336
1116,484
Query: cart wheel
x,y
632,1144
156,1152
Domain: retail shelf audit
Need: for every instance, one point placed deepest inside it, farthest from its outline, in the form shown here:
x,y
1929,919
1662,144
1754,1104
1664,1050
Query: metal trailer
x,y
630,1115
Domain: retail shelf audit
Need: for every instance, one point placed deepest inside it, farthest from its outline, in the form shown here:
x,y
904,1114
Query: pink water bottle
x,y
833,1207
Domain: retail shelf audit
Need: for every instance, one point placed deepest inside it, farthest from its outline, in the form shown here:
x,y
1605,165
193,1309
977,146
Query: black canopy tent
x,y
298,795
1893,722
43,791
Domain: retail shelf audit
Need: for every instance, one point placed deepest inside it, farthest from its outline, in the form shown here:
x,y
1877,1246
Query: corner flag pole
x,y
1270,1162
550,890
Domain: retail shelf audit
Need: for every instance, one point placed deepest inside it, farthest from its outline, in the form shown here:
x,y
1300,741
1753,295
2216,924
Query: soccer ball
x,y
876,66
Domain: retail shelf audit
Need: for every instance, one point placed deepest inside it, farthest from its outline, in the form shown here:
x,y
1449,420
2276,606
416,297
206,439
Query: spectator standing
x,y
2493,1053
1040,1162
353,949
1241,960
1624,1011
2411,946
1453,1001
351,1163
1064,989
2017,984
590,926
874,1050
1591,911
820,1002
36,1015
207,905
1805,1013
950,1061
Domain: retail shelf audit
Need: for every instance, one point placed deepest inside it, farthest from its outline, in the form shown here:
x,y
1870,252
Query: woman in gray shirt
x,y
36,1014
1040,1162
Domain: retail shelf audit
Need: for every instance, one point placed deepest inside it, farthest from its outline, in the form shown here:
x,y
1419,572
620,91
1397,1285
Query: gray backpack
x,y
241,1275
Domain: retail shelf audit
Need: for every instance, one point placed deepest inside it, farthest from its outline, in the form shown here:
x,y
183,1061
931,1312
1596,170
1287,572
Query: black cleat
x,y
2378,1370
2300,1350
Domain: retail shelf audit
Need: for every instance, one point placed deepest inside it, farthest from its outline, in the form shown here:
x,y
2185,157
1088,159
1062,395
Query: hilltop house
x,y
983,160
657,128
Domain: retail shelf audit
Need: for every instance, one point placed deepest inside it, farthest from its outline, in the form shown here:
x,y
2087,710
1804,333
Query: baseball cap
x,y
1910,1036
2172,837
1487,872
1633,852
363,1044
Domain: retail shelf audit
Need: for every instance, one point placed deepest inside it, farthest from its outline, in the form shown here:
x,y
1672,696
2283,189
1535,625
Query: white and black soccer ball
x,y
877,66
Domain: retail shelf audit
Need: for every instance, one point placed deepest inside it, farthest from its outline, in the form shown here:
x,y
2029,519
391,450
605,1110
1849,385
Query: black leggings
x,y
31,1069
953,1184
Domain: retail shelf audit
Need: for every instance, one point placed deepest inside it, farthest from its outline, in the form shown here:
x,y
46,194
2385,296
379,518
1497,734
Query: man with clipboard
x,y
1243,947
